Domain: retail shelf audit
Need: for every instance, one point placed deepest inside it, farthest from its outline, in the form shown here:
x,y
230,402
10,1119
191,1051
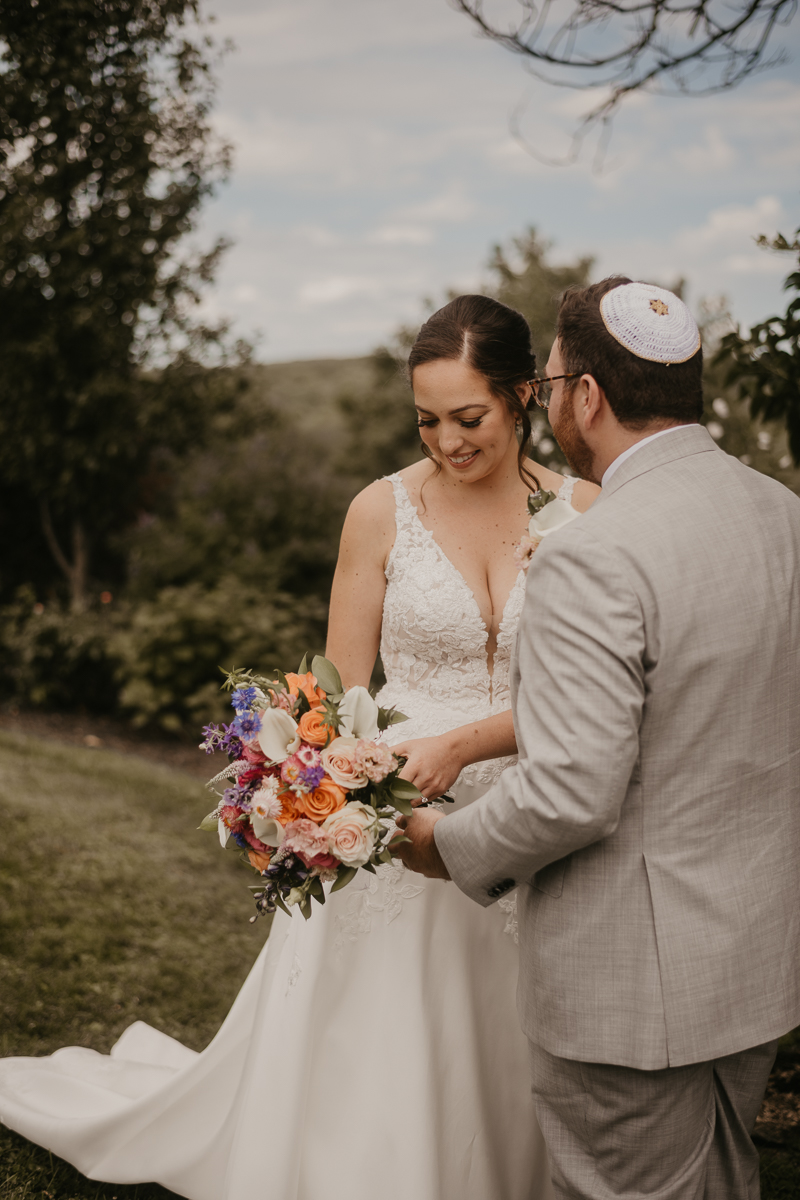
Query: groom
x,y
652,823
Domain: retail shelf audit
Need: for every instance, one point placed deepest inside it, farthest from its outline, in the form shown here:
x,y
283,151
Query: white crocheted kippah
x,y
650,322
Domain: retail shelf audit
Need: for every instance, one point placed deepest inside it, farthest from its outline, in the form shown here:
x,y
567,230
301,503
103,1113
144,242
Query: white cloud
x,y
734,224
401,235
338,287
713,153
375,165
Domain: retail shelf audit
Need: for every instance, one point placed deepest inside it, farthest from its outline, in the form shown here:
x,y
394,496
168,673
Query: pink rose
x,y
253,754
338,759
374,760
351,833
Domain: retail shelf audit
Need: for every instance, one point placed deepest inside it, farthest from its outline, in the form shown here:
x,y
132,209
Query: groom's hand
x,y
422,853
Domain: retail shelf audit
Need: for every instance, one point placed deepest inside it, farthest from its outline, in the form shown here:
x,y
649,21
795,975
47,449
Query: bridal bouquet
x,y
312,795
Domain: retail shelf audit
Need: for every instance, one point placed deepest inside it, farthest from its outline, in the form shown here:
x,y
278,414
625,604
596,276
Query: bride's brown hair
x,y
495,341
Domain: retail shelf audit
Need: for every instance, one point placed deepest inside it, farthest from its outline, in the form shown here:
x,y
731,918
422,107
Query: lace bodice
x,y
433,639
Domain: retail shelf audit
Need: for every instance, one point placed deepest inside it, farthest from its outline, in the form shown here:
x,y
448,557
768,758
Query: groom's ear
x,y
591,402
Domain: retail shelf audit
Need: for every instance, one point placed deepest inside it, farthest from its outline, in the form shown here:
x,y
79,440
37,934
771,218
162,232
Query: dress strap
x,y
405,513
566,489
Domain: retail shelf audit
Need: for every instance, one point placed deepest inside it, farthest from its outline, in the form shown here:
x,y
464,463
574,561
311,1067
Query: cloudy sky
x,y
374,166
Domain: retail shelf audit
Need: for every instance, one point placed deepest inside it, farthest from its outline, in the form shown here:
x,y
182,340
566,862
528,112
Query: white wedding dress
x,y
373,1051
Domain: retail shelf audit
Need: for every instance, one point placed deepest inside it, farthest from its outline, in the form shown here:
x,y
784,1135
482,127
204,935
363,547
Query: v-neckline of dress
x,y
520,579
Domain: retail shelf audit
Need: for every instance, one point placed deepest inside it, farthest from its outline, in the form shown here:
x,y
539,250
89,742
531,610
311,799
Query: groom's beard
x,y
572,442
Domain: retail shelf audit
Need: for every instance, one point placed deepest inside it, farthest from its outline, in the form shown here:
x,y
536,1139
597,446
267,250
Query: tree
x,y
524,280
622,46
765,365
105,155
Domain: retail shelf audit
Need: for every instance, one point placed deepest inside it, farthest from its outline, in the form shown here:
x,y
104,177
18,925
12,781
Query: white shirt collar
x,y
612,467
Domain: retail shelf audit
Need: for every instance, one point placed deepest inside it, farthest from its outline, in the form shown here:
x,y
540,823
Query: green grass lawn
x,y
113,908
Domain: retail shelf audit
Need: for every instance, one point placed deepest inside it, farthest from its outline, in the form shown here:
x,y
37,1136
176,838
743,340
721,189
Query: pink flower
x,y
374,760
309,757
351,832
253,754
523,552
290,770
338,760
266,802
307,840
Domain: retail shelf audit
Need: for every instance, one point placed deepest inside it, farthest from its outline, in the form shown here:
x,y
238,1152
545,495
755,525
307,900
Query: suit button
x,y
500,889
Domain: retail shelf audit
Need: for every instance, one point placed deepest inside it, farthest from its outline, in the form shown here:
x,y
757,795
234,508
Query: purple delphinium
x,y
312,776
213,736
221,737
239,794
231,744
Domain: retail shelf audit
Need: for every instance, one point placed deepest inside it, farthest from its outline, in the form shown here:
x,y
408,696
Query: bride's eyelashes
x,y
465,424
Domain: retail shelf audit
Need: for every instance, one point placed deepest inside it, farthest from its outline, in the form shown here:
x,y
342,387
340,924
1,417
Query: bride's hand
x,y
433,765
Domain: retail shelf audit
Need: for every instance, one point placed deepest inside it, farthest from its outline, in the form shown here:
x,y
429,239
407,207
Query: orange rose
x,y
289,810
307,684
312,728
326,799
259,859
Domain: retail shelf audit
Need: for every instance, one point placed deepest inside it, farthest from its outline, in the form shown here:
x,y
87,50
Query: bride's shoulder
x,y
372,512
584,495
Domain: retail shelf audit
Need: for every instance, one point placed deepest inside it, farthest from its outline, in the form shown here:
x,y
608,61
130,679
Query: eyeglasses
x,y
543,390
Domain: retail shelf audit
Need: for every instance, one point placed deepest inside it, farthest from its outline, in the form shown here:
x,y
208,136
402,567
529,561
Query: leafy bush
x,y
56,659
170,651
158,661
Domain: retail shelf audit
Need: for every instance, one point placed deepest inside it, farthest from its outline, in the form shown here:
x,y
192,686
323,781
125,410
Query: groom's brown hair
x,y
638,391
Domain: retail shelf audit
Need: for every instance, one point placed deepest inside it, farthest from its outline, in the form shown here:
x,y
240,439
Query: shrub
x,y
170,651
56,659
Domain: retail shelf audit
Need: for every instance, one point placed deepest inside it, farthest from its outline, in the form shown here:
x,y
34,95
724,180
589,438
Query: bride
x,y
375,1050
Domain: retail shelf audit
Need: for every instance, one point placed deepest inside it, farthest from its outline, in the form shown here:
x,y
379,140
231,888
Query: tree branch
x,y
635,45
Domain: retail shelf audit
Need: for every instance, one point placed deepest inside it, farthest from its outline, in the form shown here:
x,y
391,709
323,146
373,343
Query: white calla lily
x,y
224,833
278,737
267,829
551,517
358,714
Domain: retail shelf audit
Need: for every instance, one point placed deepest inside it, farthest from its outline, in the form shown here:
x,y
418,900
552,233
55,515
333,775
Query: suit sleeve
x,y
578,708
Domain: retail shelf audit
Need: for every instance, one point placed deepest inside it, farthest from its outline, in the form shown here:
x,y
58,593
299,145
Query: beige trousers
x,y
615,1133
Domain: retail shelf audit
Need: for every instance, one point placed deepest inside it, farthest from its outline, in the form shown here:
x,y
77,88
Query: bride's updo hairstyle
x,y
493,340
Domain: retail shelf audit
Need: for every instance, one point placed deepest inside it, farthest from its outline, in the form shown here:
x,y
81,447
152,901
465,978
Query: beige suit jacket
x,y
652,823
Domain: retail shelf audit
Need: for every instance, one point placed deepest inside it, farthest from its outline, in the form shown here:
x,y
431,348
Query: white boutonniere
x,y
548,514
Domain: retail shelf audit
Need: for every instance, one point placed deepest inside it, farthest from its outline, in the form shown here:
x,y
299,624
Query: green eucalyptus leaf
x,y
305,907
303,668
280,904
345,875
398,841
402,789
326,675
210,824
367,866
402,806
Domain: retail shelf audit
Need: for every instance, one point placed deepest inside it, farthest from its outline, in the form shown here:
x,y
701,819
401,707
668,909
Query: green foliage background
x,y
229,558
